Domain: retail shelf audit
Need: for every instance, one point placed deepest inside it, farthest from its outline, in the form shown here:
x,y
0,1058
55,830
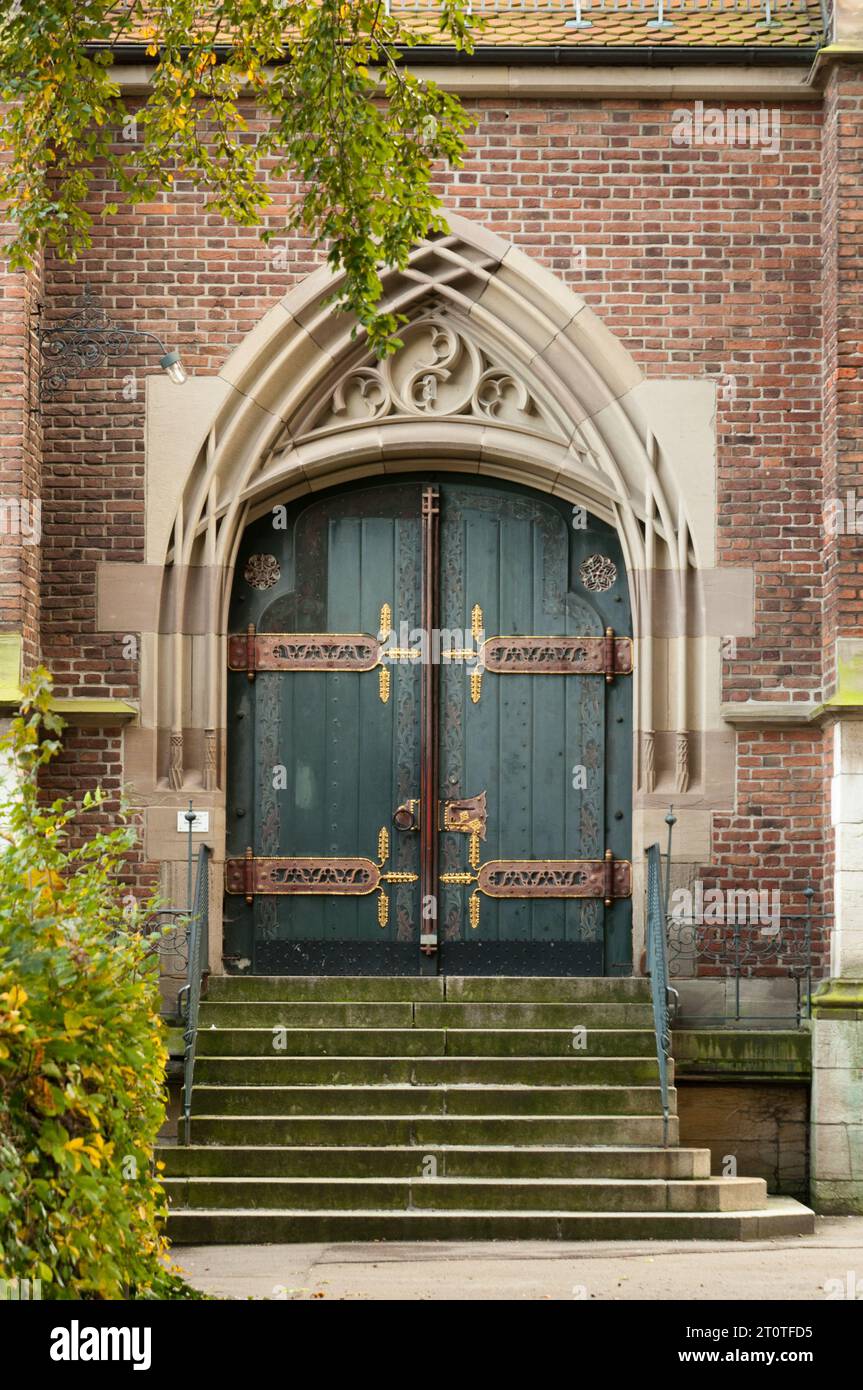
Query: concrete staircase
x,y
442,1109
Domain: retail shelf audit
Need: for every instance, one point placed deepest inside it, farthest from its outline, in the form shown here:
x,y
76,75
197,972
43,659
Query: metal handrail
x,y
189,997
657,966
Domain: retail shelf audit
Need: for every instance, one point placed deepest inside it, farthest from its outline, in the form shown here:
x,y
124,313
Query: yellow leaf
x,y
32,878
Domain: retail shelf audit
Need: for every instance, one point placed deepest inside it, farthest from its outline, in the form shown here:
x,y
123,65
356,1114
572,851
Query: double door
x,y
430,736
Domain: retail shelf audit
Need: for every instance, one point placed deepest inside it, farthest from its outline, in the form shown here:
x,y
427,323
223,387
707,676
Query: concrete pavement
x,y
803,1268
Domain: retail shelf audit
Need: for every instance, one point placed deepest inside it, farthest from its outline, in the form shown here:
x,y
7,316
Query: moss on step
x,y
744,1054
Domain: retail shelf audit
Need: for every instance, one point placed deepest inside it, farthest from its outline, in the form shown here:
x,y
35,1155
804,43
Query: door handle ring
x,y
405,816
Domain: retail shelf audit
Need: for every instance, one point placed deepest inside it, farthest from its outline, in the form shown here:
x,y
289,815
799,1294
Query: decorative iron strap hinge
x,y
607,878
607,656
266,875
253,651
556,655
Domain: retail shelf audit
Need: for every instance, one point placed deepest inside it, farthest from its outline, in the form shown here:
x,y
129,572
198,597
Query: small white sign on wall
x,y
200,823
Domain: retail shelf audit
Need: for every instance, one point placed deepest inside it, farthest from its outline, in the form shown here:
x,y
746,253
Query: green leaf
x,y
317,70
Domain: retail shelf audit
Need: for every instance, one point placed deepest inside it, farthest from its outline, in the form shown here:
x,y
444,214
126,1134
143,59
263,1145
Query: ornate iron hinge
x,y
268,875
607,656
253,651
607,878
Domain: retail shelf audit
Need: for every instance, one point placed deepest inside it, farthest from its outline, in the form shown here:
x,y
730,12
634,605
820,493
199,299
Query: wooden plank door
x,y
550,754
320,759
430,736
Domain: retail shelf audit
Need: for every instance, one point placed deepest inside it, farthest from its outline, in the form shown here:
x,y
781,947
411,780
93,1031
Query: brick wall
x,y
705,261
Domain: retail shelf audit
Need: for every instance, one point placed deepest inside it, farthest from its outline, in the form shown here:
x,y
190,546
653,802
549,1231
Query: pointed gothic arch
x,y
504,371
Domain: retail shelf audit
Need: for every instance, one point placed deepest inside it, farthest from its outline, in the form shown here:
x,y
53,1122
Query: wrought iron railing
x,y
827,19
657,966
189,998
793,947
166,933
724,943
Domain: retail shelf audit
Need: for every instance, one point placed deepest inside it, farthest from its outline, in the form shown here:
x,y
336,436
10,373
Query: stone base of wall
x,y
762,1002
743,1093
763,1128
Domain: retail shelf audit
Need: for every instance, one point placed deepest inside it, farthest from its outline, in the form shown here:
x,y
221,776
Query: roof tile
x,y
610,23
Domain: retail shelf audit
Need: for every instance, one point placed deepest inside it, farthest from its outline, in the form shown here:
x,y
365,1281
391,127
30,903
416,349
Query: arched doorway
x,y
503,374
429,735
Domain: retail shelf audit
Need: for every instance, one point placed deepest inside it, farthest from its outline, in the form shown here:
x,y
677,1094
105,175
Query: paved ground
x,y
828,1263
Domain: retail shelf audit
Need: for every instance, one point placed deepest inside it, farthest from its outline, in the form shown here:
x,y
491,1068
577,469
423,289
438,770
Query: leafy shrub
x,y
82,1052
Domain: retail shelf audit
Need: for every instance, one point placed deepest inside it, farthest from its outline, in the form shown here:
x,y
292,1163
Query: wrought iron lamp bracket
x,y
85,340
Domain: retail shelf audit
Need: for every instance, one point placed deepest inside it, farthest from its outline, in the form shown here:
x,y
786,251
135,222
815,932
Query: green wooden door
x,y
535,745
335,679
318,759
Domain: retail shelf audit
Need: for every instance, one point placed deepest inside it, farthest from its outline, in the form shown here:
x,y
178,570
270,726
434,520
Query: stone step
x,y
311,1013
516,989
781,1217
575,1014
319,1105
349,989
426,1100
461,989
419,1193
425,1042
425,1071
476,1161
426,1131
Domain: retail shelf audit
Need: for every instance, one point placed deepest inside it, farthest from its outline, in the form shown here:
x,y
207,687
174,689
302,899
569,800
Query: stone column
x,y
837,1010
837,1006
20,478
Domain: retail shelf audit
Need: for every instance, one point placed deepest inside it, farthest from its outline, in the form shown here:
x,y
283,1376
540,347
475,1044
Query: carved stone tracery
x,y
439,372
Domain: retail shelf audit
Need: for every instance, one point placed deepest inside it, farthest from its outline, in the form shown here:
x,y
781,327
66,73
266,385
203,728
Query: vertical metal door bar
x,y
430,725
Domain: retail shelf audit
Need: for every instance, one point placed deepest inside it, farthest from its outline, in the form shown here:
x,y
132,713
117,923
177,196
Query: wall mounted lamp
x,y
85,340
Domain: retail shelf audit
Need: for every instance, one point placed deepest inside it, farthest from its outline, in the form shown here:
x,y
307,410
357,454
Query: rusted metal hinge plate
x,y
555,878
264,875
561,656
304,651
